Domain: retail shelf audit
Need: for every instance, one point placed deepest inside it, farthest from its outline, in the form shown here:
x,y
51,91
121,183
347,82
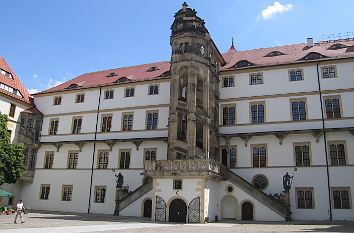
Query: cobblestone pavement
x,y
56,222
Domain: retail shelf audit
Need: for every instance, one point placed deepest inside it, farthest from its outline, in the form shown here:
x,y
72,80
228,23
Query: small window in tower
x,y
177,184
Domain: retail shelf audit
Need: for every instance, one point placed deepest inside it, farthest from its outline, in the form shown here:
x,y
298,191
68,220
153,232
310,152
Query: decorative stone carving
x,y
280,137
80,144
110,143
246,138
137,143
57,145
317,134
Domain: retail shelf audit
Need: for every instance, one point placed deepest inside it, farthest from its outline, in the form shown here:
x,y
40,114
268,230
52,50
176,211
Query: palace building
x,y
202,137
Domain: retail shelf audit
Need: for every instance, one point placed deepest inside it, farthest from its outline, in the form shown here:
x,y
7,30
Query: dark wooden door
x,y
178,211
224,157
247,211
147,208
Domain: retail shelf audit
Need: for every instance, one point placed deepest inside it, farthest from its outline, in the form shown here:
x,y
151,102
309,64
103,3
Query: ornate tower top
x,y
186,19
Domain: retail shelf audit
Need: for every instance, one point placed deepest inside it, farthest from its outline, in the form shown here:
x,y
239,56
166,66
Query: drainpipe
x,y
94,149
325,142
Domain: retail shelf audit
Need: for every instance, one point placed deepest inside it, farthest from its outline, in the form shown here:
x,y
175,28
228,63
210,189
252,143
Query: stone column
x,y
227,140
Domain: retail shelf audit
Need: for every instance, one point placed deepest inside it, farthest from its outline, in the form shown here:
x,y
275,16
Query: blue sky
x,y
48,42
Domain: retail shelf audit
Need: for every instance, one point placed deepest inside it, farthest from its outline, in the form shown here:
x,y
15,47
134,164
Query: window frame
x,y
296,70
48,164
75,160
124,163
252,146
105,161
332,97
153,93
12,110
69,194
337,142
106,129
57,100
46,193
78,129
295,144
100,200
334,67
129,128
56,128
80,98
130,94
111,96
229,82
228,115
150,150
256,80
349,197
298,100
264,112
180,182
147,119
305,189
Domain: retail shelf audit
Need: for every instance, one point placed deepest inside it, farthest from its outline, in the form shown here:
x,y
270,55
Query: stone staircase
x,y
135,195
254,192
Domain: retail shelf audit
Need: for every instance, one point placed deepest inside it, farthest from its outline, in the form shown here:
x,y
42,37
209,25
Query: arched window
x,y
243,63
274,54
337,46
313,56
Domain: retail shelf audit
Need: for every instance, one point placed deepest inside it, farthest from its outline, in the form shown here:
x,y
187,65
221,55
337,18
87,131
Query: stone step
x,y
135,195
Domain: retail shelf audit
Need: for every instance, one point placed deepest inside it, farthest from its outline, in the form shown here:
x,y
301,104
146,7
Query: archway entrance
x,y
247,211
228,207
177,211
147,208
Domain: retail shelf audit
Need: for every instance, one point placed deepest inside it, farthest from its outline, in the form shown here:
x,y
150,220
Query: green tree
x,y
11,156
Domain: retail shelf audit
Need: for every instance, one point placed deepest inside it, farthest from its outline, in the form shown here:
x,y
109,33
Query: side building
x,y
205,136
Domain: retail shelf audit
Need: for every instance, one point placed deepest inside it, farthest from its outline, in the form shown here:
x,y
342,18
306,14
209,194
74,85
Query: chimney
x,y
309,42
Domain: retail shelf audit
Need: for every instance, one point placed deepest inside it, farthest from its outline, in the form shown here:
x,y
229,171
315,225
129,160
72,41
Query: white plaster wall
x,y
136,208
211,205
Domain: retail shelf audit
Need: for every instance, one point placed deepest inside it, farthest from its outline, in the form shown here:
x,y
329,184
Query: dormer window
x,y
243,63
153,68
111,75
6,74
313,56
72,86
122,80
166,74
274,54
337,46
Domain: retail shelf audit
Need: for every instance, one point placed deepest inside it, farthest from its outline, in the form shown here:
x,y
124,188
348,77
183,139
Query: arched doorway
x,y
229,207
147,208
177,211
247,211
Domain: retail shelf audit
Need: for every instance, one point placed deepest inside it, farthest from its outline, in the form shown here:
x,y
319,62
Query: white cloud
x,y
53,83
32,91
277,7
35,76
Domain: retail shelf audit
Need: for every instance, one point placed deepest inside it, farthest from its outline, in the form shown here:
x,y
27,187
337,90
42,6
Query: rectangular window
x,y
100,194
29,124
229,82
298,109
341,198
233,157
296,75
108,94
329,72
229,115
102,159
48,159
153,90
256,79
337,153
57,100
305,198
129,92
106,123
152,118
44,192
72,159
150,154
332,105
177,184
124,160
12,110
257,112
259,155
32,159
302,154
77,122
80,98
67,191
53,126
127,123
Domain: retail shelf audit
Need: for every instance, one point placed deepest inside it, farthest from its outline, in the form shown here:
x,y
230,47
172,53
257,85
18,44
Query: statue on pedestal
x,y
287,180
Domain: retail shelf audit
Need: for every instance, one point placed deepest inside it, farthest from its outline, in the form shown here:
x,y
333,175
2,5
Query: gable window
x,y
102,159
337,153
72,159
53,126
80,98
256,79
274,54
153,89
48,160
229,115
129,92
124,160
257,112
229,82
329,72
106,123
151,120
12,110
259,155
298,109
341,198
332,105
304,198
108,94
57,100
127,121
177,184
296,75
243,63
150,154
100,194
44,192
302,154
313,56
77,122
67,191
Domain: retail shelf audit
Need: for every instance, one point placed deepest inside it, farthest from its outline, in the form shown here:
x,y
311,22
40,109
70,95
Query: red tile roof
x,y
14,83
257,57
292,54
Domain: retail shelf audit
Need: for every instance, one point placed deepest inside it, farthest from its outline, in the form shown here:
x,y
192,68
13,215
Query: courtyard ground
x,y
45,222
